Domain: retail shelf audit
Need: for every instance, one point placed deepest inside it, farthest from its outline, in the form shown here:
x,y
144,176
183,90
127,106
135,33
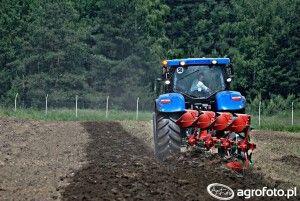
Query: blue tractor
x,y
196,108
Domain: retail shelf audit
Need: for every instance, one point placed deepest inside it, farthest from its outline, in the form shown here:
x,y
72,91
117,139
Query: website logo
x,y
220,191
223,192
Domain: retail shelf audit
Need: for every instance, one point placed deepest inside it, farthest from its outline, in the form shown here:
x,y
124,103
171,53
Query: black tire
x,y
167,135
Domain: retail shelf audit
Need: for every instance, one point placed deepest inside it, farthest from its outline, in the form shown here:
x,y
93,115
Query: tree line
x,y
93,48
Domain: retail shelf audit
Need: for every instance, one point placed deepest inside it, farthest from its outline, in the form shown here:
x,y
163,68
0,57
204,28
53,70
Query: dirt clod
x,y
291,160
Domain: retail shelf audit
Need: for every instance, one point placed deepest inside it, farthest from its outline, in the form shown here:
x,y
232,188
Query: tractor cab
x,y
197,78
198,82
202,82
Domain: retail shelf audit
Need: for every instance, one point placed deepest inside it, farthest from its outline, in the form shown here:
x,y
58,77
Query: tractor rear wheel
x,y
167,135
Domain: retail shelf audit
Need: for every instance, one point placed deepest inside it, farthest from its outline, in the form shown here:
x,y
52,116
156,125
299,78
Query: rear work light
x,y
165,101
236,98
167,82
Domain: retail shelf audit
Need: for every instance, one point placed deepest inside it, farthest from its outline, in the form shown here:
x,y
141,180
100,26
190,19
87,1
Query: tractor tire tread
x,y
167,135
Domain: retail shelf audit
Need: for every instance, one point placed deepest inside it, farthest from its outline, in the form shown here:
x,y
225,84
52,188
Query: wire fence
x,y
131,104
289,116
104,104
116,103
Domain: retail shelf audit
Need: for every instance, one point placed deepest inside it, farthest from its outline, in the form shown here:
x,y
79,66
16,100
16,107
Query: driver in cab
x,y
198,85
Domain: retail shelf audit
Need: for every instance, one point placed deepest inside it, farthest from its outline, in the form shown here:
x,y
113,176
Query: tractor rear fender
x,y
230,101
170,102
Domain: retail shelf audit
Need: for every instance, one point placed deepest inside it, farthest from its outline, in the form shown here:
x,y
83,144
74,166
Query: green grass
x,y
280,122
69,115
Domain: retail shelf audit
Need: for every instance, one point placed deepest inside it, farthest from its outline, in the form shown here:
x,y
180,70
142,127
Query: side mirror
x,y
230,72
158,86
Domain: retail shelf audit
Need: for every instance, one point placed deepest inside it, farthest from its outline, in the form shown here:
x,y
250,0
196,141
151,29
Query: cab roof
x,y
198,61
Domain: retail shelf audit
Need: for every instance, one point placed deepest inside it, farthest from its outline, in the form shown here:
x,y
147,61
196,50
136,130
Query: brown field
x,y
114,161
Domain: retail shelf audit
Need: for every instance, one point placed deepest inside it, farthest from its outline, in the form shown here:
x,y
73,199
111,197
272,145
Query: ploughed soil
x,y
110,161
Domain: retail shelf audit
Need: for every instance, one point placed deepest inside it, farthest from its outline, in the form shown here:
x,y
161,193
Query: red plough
x,y
227,132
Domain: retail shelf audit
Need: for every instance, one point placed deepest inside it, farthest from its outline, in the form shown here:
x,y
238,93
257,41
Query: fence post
x,y
259,108
137,108
106,112
46,105
76,108
292,113
16,101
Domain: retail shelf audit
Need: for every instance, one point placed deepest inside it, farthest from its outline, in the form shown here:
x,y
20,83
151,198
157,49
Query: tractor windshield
x,y
199,81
